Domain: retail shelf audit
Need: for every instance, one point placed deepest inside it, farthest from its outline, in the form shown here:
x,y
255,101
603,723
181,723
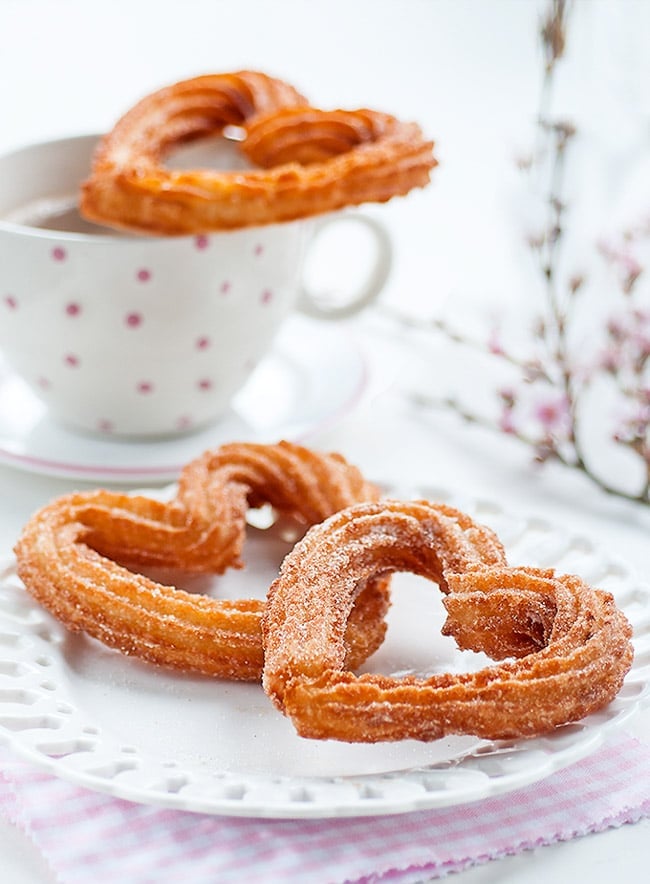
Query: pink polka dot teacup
x,y
140,336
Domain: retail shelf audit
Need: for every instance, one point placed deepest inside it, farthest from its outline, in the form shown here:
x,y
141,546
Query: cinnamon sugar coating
x,y
565,647
68,554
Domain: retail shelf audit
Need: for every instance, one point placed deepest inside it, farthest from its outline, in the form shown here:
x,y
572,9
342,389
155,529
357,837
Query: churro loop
x,y
311,161
570,644
322,161
130,188
68,556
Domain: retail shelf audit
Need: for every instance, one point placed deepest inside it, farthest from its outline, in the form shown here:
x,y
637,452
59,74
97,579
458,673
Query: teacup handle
x,y
316,305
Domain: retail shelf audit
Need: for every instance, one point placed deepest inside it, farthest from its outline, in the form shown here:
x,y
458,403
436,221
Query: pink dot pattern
x,y
70,361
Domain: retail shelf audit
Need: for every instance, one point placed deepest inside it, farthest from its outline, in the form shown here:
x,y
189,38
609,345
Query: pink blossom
x,y
640,420
533,371
627,264
506,422
630,265
545,450
554,414
616,329
575,283
610,360
642,341
494,343
635,426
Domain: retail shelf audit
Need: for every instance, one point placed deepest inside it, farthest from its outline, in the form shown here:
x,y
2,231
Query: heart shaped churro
x,y
68,554
568,645
305,161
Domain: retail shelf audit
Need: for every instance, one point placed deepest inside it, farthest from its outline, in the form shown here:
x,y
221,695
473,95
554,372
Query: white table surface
x,y
469,73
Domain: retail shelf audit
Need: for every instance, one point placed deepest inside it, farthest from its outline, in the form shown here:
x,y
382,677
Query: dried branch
x,y
554,374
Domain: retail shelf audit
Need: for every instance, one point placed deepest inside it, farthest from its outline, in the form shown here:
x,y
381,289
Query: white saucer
x,y
312,376
110,722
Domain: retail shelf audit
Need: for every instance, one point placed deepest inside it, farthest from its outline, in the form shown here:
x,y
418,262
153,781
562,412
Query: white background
x,y
469,72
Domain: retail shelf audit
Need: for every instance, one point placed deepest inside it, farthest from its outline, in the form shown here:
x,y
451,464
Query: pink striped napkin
x,y
86,836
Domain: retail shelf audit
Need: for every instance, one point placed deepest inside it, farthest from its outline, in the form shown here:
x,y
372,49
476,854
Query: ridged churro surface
x,y
72,557
565,647
304,161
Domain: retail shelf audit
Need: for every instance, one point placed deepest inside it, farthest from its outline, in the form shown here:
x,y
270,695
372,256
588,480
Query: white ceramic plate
x,y
114,724
312,376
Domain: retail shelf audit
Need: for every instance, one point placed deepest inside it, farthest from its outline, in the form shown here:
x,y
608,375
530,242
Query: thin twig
x,y
626,362
549,453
